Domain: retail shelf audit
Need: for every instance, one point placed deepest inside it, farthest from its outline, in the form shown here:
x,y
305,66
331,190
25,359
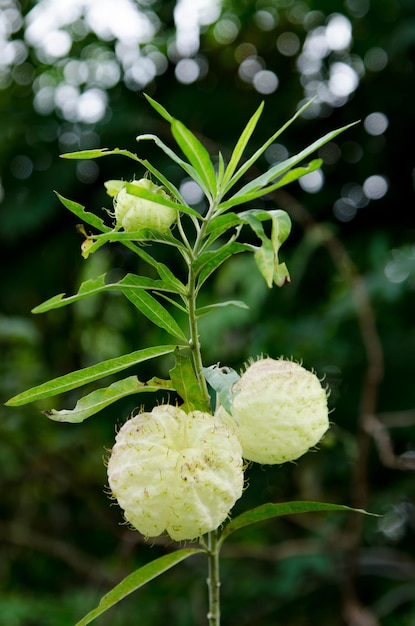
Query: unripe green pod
x,y
280,410
133,213
176,472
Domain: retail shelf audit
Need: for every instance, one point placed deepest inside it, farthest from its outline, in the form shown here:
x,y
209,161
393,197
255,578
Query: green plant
x,y
190,455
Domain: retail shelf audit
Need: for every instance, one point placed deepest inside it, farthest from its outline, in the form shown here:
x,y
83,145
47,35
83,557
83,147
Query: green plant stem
x,y
213,580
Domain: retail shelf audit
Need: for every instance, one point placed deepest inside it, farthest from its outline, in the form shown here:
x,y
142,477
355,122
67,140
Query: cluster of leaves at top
x,y
203,255
204,243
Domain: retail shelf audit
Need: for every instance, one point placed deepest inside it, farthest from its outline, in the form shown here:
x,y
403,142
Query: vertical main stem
x,y
213,580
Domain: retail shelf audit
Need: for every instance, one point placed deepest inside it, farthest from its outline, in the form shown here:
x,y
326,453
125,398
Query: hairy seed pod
x,y
133,213
280,410
176,472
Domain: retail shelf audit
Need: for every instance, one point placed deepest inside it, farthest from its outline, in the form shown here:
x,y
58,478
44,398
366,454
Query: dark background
x,y
72,78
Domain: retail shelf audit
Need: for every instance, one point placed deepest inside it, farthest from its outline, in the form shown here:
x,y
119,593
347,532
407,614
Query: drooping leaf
x,y
81,377
270,510
266,256
155,312
222,379
186,383
197,155
136,580
101,398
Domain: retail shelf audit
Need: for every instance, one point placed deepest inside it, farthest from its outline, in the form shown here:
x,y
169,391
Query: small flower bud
x,y
280,410
133,213
176,472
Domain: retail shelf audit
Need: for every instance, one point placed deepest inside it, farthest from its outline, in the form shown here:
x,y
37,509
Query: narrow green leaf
x,y
100,152
241,145
204,310
196,153
281,168
140,192
92,287
189,169
101,398
86,154
159,108
220,225
84,215
221,169
164,181
155,312
270,510
249,163
208,262
169,278
87,375
136,580
186,383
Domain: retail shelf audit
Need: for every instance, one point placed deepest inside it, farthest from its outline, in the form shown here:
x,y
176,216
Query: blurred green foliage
x,y
69,82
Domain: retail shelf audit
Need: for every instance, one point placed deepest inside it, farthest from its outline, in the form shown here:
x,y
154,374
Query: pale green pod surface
x,y
133,213
280,410
176,472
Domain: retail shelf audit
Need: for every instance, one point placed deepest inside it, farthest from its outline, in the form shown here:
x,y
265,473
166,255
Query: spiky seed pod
x,y
133,213
280,410
176,472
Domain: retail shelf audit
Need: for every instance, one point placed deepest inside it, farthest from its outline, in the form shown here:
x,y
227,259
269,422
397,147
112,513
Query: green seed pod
x,y
176,472
133,213
280,410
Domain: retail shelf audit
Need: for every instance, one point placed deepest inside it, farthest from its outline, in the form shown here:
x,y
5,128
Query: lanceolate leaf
x,y
140,192
155,312
87,375
241,145
204,310
220,225
279,169
94,286
208,262
197,155
100,152
185,382
189,169
269,511
84,215
249,163
159,108
101,398
136,580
